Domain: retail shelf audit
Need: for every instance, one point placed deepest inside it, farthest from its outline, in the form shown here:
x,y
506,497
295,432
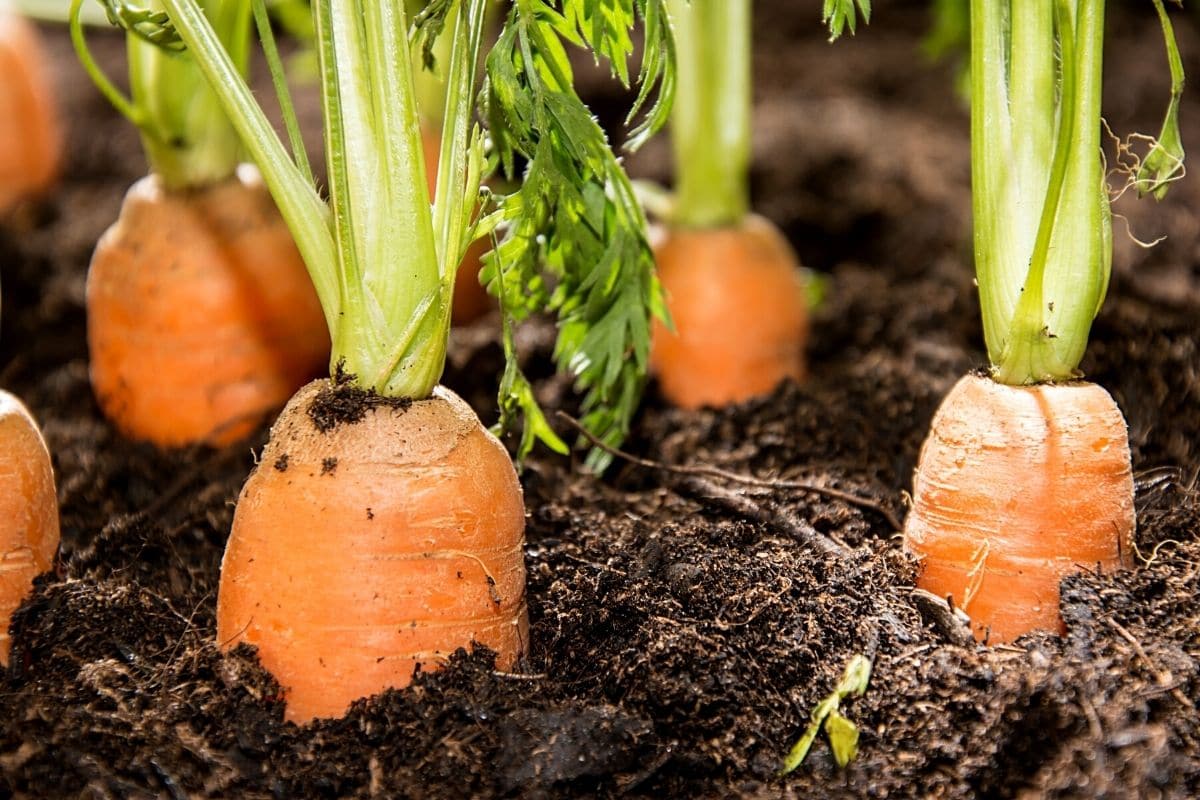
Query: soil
x,y
683,625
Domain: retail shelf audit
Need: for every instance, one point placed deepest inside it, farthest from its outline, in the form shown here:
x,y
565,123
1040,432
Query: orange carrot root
x,y
1017,487
30,136
740,314
471,300
361,554
201,316
28,510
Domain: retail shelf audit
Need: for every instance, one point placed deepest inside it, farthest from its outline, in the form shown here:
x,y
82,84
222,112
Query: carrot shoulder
x,y
739,311
30,136
28,510
201,316
366,548
1017,487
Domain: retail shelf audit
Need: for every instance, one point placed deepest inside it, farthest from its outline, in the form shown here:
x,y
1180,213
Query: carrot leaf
x,y
841,14
1163,165
575,244
152,26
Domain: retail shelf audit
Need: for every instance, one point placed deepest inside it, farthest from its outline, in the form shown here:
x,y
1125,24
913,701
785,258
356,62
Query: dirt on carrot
x,y
201,316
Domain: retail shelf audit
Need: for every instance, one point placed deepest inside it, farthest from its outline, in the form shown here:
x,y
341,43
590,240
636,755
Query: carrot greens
x,y
841,14
1043,234
383,253
186,136
1164,163
710,122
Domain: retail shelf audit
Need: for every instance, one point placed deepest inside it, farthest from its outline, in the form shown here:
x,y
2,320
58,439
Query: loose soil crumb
x,y
681,631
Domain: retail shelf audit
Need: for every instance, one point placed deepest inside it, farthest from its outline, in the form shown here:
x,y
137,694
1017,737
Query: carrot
x,y
738,306
383,528
1019,486
410,547
1026,474
30,138
28,510
731,280
201,318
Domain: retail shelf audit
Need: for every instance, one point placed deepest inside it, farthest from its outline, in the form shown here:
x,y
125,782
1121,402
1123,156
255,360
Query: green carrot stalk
x,y
382,253
710,122
1043,234
187,139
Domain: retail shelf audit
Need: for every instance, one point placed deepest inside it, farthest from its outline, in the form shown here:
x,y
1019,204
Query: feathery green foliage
x,y
841,14
575,244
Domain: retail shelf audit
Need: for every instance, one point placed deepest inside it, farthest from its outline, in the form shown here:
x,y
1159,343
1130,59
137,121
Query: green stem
x,y
381,208
994,197
115,96
460,159
430,84
1163,165
188,141
710,122
262,21
1042,235
298,201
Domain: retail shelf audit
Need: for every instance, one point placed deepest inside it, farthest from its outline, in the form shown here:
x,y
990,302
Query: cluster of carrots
x,y
384,526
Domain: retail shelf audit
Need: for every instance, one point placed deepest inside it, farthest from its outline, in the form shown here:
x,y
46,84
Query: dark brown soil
x,y
683,626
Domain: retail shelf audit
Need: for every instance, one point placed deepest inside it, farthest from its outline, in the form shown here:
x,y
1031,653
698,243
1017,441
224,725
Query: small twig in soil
x,y
520,676
1164,678
736,477
728,500
594,565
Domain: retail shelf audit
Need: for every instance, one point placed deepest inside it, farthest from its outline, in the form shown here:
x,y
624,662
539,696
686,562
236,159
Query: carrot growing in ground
x,y
733,284
1026,474
30,137
28,510
383,528
201,317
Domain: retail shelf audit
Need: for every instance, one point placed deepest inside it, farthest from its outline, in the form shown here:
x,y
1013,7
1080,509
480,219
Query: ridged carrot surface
x,y
201,316
30,135
377,547
28,510
739,310
1018,486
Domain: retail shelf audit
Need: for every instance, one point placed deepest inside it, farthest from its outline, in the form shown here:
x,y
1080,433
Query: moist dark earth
x,y
683,625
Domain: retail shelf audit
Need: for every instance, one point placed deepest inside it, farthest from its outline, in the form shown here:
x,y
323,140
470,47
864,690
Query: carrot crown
x,y
188,140
1043,233
383,253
